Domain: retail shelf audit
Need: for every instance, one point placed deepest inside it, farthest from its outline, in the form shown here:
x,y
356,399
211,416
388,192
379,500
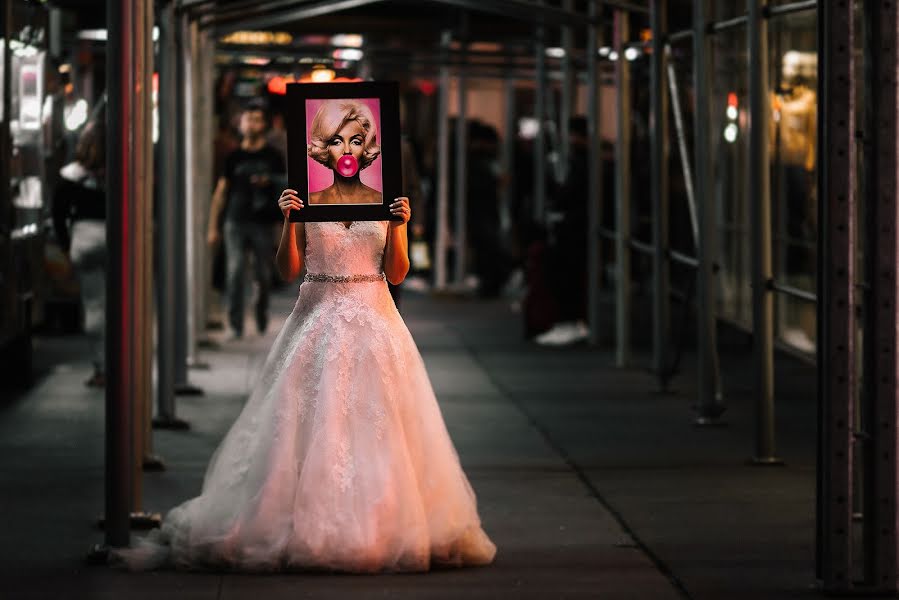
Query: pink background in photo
x,y
321,176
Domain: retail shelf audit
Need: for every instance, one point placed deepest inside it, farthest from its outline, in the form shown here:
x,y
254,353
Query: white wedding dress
x,y
340,460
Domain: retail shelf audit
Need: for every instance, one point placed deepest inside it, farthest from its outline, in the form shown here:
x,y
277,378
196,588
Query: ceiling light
x,y
348,54
347,40
322,75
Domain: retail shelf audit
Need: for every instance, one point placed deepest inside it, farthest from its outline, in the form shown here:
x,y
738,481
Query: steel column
x,y
880,389
186,239
659,149
198,193
594,173
539,201
182,145
442,220
758,176
836,308
121,221
710,404
461,213
141,172
167,291
195,239
146,452
206,184
6,13
623,194
508,151
567,95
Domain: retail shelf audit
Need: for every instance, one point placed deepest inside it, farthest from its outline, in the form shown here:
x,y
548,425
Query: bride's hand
x,y
289,201
400,207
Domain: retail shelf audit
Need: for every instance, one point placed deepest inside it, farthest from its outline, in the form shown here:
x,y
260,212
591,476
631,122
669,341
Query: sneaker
x,y
552,336
97,380
232,336
564,334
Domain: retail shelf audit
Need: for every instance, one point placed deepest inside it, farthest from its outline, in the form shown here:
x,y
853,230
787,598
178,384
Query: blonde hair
x,y
330,118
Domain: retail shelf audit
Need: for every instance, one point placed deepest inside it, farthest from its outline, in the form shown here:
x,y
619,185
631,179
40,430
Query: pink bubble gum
x,y
347,165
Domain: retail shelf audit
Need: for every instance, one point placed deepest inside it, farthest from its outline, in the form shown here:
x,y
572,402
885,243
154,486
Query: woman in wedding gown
x,y
340,460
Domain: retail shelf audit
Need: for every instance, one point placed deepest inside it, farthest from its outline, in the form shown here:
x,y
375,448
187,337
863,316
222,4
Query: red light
x,y
277,85
732,100
427,87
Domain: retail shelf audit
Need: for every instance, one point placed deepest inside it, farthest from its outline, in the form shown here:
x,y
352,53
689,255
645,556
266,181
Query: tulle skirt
x,y
340,460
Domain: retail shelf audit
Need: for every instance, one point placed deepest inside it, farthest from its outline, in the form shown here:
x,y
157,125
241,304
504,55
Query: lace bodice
x,y
334,249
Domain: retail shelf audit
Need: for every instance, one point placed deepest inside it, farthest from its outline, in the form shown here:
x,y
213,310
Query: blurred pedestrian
x,y
252,176
79,219
489,261
567,250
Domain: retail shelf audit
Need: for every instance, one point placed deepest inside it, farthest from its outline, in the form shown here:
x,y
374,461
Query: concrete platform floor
x,y
591,484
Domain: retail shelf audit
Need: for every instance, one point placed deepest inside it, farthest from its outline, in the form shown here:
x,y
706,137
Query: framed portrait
x,y
343,150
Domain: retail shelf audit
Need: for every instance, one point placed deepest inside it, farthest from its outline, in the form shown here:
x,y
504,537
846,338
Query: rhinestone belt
x,y
344,278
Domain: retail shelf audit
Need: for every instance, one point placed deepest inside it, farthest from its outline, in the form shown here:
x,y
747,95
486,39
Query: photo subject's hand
x,y
400,207
289,201
213,237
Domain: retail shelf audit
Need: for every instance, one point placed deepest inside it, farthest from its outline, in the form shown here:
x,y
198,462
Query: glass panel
x,y
793,127
727,9
681,234
729,145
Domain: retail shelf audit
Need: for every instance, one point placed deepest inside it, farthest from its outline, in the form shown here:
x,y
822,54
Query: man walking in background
x,y
244,205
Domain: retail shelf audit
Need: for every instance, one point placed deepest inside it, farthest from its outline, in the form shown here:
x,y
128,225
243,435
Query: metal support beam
x,y
594,173
679,128
6,13
165,345
758,176
710,404
281,18
205,182
146,451
539,200
461,213
198,190
184,219
659,149
141,181
508,151
169,282
569,87
122,211
880,389
836,290
623,194
442,220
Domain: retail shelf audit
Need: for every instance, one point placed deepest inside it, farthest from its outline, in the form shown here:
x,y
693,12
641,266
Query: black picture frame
x,y
389,138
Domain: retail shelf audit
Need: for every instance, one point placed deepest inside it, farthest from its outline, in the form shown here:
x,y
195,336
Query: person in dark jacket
x,y
79,220
568,278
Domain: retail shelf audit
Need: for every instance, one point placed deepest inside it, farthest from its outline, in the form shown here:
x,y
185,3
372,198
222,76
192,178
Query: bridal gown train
x,y
340,458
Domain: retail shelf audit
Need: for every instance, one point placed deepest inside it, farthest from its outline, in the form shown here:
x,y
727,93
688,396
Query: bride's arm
x,y
396,253
293,238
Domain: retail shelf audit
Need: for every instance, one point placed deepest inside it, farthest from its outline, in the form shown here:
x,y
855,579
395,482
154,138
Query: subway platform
x,y
592,483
